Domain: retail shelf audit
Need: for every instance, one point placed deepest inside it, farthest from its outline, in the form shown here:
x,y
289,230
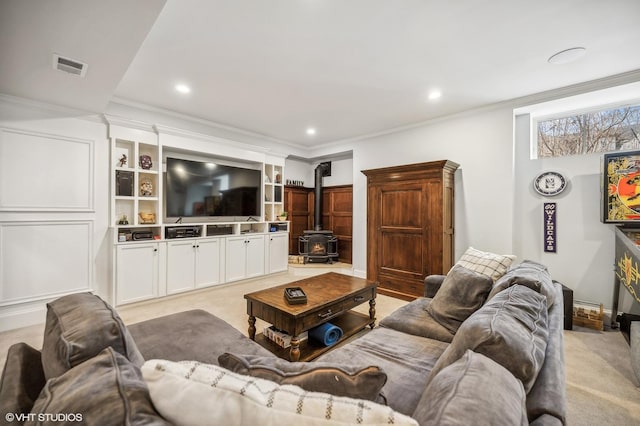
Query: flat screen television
x,y
210,190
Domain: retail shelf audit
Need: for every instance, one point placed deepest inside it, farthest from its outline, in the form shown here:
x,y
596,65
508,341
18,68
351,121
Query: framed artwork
x,y
621,187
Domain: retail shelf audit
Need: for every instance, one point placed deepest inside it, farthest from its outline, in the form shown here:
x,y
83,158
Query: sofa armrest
x,y
432,284
22,379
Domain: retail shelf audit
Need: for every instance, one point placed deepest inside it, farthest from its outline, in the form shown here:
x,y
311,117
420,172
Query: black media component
x,y
182,232
219,230
142,235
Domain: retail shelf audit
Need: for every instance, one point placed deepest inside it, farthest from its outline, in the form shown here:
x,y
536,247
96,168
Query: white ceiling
x,y
345,67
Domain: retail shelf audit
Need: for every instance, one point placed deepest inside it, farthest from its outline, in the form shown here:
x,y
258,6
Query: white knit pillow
x,y
191,393
489,264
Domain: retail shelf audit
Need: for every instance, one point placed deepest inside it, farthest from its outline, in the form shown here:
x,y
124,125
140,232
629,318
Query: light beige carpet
x,y
601,386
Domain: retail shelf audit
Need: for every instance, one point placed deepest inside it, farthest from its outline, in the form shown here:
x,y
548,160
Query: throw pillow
x,y
105,390
490,264
22,379
191,393
511,329
78,327
530,274
455,396
463,291
354,382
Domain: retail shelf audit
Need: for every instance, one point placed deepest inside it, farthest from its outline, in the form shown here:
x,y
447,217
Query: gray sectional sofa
x,y
479,350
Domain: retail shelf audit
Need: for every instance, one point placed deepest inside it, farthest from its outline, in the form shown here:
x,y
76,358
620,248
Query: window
x,y
604,130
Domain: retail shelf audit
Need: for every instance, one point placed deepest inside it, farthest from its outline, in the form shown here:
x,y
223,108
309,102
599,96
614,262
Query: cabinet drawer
x,y
319,317
358,299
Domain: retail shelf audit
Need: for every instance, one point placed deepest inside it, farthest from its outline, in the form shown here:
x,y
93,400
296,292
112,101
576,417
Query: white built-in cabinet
x,y
245,257
278,250
193,263
146,263
137,272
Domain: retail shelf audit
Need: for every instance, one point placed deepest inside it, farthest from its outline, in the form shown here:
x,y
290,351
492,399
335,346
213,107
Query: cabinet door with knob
x,y
244,257
181,265
207,271
136,272
278,245
192,263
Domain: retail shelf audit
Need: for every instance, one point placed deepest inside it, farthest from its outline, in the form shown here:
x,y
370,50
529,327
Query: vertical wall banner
x,y
550,237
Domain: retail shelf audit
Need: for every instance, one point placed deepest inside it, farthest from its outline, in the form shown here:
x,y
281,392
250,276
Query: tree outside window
x,y
607,130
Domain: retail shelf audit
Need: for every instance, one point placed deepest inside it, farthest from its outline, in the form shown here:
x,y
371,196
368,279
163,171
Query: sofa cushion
x,y
192,393
354,382
171,337
455,396
78,327
530,274
490,264
407,359
104,390
22,379
511,329
414,318
463,291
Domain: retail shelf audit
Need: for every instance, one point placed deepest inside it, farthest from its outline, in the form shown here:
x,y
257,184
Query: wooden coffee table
x,y
330,297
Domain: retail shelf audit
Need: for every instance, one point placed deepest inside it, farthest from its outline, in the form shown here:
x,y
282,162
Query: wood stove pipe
x,y
322,170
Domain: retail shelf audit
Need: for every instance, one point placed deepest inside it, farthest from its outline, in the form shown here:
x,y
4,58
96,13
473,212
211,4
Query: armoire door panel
x,y
401,251
402,207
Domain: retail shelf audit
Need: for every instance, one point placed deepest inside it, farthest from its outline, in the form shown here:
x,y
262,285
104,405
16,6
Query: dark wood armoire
x,y
410,224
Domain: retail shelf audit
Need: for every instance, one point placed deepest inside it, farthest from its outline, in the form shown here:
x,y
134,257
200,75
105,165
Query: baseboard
x,y
360,274
23,317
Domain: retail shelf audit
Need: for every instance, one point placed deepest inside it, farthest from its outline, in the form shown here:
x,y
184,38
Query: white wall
x,y
585,246
298,170
341,171
482,144
54,209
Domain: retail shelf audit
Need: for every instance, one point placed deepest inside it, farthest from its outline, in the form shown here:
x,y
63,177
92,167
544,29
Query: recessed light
x,y
183,88
311,131
434,94
567,55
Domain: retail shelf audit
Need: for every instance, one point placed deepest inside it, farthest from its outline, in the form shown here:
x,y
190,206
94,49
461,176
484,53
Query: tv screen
x,y
204,189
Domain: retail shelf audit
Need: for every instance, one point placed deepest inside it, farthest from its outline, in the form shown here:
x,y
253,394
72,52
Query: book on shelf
x,y
281,338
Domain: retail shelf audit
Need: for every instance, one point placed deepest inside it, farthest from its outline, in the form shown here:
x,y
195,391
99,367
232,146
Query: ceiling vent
x,y
70,66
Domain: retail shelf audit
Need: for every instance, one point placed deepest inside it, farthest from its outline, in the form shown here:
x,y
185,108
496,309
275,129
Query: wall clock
x,y
549,183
